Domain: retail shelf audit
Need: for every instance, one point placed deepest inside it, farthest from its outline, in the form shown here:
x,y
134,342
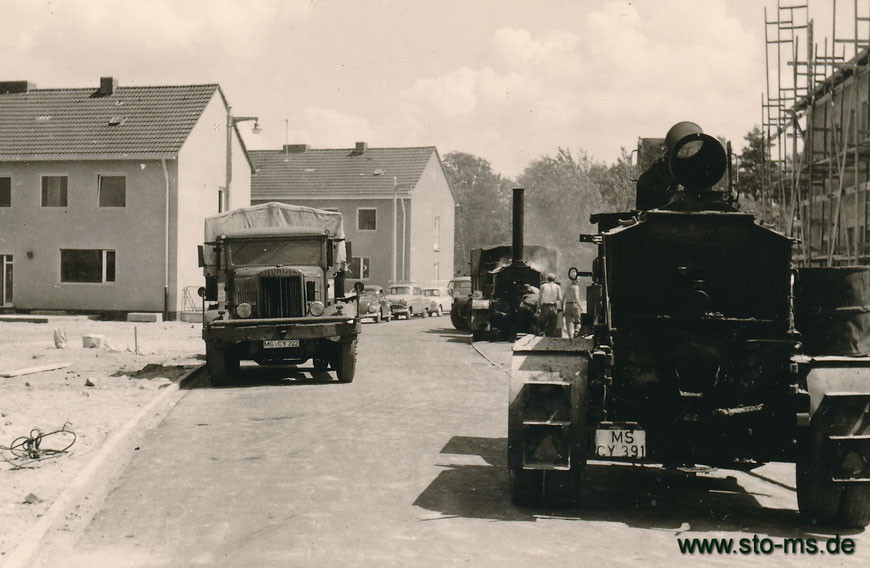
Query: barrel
x,y
832,310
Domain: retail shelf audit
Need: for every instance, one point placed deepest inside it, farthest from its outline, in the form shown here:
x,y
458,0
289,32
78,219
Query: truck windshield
x,y
260,252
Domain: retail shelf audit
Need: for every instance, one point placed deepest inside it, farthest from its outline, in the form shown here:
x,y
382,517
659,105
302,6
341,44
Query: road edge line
x,y
491,362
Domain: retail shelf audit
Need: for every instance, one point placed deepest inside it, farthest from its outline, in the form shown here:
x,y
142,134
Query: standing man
x,y
549,306
572,307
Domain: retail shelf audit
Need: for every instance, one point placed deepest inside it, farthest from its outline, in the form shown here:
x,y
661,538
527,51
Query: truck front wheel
x,y
345,366
221,363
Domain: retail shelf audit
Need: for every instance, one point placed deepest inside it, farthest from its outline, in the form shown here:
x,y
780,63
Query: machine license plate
x,y
279,343
617,443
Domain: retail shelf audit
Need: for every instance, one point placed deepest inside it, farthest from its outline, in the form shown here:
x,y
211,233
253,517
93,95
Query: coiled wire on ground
x,y
27,450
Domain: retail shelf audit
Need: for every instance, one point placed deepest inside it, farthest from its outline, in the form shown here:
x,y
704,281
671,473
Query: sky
x,y
507,80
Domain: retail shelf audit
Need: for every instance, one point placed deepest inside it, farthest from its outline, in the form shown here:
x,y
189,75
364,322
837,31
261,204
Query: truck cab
x,y
275,291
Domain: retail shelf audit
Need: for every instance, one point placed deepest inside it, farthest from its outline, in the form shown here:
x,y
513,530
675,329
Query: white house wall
x,y
432,198
202,172
135,232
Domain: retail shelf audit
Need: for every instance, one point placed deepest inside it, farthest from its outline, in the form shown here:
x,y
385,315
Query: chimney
x,y
13,87
295,148
517,233
108,86
359,149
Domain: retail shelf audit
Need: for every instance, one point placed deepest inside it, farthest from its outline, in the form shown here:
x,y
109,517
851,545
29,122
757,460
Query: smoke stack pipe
x,y
517,244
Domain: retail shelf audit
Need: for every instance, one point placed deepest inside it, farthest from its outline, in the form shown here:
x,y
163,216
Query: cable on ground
x,y
27,450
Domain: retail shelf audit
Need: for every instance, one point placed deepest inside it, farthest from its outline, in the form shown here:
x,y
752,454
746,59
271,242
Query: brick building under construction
x,y
816,126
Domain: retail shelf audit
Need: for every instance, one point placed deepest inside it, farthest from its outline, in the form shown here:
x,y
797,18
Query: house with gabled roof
x,y
104,190
397,204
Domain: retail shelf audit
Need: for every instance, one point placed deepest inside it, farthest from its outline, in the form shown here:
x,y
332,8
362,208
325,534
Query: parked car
x,y
440,300
407,300
373,304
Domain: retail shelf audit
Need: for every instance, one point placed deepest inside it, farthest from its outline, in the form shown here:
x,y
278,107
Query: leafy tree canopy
x,y
483,215
562,191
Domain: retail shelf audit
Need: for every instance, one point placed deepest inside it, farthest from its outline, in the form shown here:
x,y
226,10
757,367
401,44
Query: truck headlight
x,y
316,308
244,310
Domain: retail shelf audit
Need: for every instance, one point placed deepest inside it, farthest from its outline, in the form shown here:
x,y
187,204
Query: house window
x,y
87,265
54,191
5,192
113,191
366,219
360,267
437,232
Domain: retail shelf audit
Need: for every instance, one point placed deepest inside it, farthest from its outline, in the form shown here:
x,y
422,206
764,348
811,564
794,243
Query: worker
x,y
549,306
572,308
527,310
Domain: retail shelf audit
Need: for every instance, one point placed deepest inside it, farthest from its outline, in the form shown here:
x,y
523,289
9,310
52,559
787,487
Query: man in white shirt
x,y
549,305
572,307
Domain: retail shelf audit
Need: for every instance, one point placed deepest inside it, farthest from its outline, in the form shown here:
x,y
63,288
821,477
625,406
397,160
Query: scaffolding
x,y
816,134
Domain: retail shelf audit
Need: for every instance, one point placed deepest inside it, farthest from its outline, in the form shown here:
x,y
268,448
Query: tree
x,y
614,183
759,178
562,191
483,214
752,158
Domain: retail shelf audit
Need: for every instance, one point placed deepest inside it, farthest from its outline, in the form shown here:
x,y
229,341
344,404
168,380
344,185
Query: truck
x,y
274,291
705,346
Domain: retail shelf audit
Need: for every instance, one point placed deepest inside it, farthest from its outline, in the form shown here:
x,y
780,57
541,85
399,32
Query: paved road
x,y
403,467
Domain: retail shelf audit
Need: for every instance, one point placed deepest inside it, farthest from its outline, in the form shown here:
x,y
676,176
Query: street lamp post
x,y
232,121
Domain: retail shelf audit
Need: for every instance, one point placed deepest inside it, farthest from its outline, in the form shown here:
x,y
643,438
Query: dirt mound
x,y
154,371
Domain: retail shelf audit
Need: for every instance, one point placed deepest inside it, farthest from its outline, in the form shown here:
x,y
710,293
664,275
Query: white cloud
x,y
509,84
449,96
619,73
325,128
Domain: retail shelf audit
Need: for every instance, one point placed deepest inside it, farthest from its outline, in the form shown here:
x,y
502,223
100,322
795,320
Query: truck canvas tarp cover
x,y
274,218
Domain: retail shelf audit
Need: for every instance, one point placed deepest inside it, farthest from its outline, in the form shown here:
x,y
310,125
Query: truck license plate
x,y
620,444
279,343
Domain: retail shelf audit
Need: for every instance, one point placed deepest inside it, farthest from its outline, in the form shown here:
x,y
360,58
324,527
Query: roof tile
x,y
285,175
81,121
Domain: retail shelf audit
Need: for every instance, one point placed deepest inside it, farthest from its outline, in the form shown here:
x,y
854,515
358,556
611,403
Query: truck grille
x,y
246,291
281,297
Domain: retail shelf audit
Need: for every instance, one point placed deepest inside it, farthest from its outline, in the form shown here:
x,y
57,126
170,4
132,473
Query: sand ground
x,y
100,390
